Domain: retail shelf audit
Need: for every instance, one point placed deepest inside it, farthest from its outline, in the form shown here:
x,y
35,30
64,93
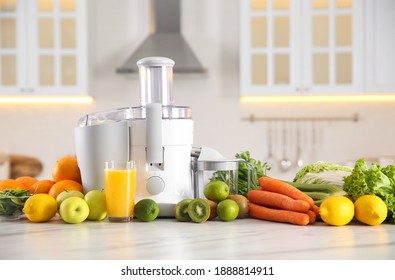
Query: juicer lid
x,y
211,159
208,154
132,113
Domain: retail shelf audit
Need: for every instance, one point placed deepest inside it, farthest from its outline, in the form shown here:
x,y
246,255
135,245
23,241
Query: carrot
x,y
316,209
274,185
277,215
277,200
312,216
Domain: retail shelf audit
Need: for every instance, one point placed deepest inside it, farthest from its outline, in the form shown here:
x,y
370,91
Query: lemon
x,y
337,210
40,207
370,209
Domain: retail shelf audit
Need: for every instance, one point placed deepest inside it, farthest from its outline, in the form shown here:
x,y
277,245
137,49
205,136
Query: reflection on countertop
x,y
169,239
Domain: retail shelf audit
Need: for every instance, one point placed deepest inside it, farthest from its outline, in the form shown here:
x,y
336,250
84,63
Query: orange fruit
x,y
28,181
42,186
66,169
63,185
11,184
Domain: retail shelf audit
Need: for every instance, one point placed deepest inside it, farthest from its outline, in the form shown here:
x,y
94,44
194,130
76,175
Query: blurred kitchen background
x,y
301,51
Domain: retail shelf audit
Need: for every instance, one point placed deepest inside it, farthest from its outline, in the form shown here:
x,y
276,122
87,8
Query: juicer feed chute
x,y
156,80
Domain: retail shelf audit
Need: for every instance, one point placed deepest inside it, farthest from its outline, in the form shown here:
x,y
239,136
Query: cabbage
x,y
322,172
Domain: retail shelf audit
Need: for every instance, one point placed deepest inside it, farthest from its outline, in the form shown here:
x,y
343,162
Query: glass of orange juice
x,y
120,190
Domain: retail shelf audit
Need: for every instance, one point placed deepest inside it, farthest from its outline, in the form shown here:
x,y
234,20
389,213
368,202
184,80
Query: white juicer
x,y
157,135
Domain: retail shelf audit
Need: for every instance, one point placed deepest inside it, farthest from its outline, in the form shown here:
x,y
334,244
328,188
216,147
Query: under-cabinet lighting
x,y
45,99
320,98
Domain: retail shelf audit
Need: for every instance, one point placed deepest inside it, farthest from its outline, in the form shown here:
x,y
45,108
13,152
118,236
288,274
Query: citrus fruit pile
x,y
340,210
65,176
43,204
63,194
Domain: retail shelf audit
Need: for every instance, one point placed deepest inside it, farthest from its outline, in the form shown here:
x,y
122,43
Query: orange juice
x,y
120,189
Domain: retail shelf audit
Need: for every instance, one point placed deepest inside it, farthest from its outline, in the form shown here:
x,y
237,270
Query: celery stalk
x,y
319,192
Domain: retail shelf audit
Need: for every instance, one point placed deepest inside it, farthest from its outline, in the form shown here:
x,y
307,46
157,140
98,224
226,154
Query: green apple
x,y
66,194
96,200
74,210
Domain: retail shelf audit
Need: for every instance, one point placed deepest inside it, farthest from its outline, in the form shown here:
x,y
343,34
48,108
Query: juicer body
x,y
97,144
169,181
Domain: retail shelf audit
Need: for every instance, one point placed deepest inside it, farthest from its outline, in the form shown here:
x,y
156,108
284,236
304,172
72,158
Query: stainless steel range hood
x,y
166,40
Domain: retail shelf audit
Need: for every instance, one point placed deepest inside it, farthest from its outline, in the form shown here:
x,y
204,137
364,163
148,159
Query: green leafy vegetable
x,y
322,172
389,171
12,202
364,180
258,169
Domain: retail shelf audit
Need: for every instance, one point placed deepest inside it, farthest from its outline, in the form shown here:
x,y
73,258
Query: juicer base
x,y
166,210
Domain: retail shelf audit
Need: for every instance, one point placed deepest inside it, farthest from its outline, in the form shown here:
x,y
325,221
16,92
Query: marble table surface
x,y
167,239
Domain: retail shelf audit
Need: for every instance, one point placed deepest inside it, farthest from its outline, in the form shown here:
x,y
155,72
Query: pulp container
x,y
208,170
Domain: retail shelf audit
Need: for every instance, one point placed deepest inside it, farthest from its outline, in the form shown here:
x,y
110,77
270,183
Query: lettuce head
x,y
371,180
389,171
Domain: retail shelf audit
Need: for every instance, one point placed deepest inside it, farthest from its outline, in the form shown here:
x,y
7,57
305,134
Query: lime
x,y
243,204
370,209
227,210
337,210
216,190
146,210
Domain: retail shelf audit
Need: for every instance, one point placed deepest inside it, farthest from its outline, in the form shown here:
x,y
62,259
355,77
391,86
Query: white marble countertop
x,y
170,239
166,239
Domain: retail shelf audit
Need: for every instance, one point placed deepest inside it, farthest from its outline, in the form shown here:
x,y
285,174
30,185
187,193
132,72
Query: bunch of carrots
x,y
278,201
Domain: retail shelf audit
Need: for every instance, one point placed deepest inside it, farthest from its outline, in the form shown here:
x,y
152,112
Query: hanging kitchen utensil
x,y
313,141
299,159
270,137
285,162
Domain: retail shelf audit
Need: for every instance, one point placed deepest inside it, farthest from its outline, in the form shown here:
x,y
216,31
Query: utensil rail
x,y
253,118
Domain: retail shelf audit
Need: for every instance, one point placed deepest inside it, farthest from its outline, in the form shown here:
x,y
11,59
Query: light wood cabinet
x,y
293,47
43,48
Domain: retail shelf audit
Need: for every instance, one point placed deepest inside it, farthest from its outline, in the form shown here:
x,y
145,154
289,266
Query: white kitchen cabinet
x,y
380,46
43,48
301,47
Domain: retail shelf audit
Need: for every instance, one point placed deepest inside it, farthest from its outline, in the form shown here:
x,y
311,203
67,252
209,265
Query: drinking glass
x,y
120,190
